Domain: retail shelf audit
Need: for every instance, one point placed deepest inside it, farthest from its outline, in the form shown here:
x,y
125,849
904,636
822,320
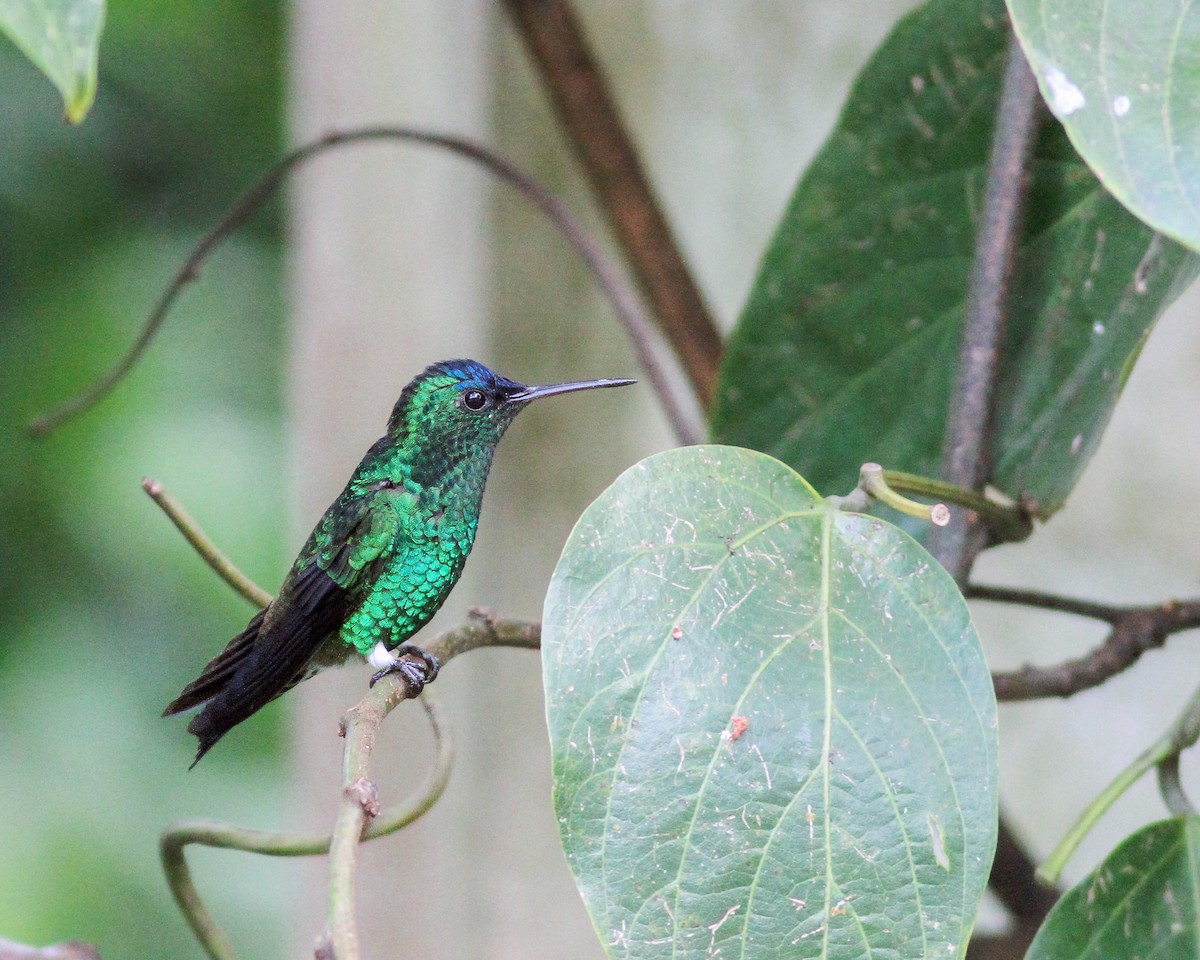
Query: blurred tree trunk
x,y
388,274
390,270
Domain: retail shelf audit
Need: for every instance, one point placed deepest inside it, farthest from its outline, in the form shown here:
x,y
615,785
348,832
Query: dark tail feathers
x,y
213,680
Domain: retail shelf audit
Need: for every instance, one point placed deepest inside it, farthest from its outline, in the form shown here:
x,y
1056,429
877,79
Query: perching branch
x,y
1135,630
589,117
608,276
227,837
359,804
966,454
359,817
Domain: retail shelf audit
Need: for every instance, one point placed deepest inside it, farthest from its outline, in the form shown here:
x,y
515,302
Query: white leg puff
x,y
380,658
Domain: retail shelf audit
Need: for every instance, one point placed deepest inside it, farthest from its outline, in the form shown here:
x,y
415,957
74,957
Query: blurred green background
x,y
104,611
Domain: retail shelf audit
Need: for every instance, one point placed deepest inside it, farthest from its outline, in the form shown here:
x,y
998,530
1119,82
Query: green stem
x,y
223,836
873,479
1010,524
1050,870
1183,733
208,550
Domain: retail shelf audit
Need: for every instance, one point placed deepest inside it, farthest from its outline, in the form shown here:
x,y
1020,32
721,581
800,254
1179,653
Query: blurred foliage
x,y
104,611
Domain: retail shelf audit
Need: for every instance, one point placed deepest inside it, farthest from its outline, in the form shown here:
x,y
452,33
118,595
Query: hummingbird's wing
x,y
271,654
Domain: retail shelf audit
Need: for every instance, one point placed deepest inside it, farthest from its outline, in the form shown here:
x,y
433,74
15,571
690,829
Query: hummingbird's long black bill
x,y
553,389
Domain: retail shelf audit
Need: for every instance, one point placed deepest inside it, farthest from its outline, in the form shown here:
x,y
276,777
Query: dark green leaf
x,y
773,729
62,38
1124,79
846,349
1140,902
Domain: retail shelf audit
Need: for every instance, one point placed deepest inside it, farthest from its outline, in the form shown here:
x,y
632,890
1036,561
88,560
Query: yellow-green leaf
x,y
62,38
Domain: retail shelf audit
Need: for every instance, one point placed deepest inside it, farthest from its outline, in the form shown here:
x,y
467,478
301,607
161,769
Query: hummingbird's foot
x,y
416,675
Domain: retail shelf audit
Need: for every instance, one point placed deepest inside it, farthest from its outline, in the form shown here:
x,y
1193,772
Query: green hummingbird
x,y
385,555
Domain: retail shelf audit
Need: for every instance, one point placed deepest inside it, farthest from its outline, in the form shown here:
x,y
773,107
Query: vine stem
x,y
1162,753
359,817
361,726
223,836
626,303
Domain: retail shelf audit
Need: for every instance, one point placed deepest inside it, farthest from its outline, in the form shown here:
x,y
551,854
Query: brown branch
x,y
1044,601
590,119
1135,630
966,454
1013,879
608,276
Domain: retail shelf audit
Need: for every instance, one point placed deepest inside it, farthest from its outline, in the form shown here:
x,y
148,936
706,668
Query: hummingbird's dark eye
x,y
475,399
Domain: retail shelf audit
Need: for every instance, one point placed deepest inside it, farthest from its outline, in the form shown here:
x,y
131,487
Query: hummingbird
x,y
385,555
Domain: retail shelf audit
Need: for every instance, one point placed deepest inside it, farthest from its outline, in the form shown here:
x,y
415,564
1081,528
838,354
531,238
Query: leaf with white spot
x,y
1124,79
773,730
846,349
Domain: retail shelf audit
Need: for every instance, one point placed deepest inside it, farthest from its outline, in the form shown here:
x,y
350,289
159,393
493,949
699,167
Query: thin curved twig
x,y
1045,601
624,299
1183,733
209,551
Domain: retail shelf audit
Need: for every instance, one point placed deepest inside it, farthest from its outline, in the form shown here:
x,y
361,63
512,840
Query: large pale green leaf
x,y
709,593
62,38
1124,79
1140,902
846,349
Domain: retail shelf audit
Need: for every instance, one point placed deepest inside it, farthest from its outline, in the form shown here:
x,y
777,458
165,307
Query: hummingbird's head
x,y
460,408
